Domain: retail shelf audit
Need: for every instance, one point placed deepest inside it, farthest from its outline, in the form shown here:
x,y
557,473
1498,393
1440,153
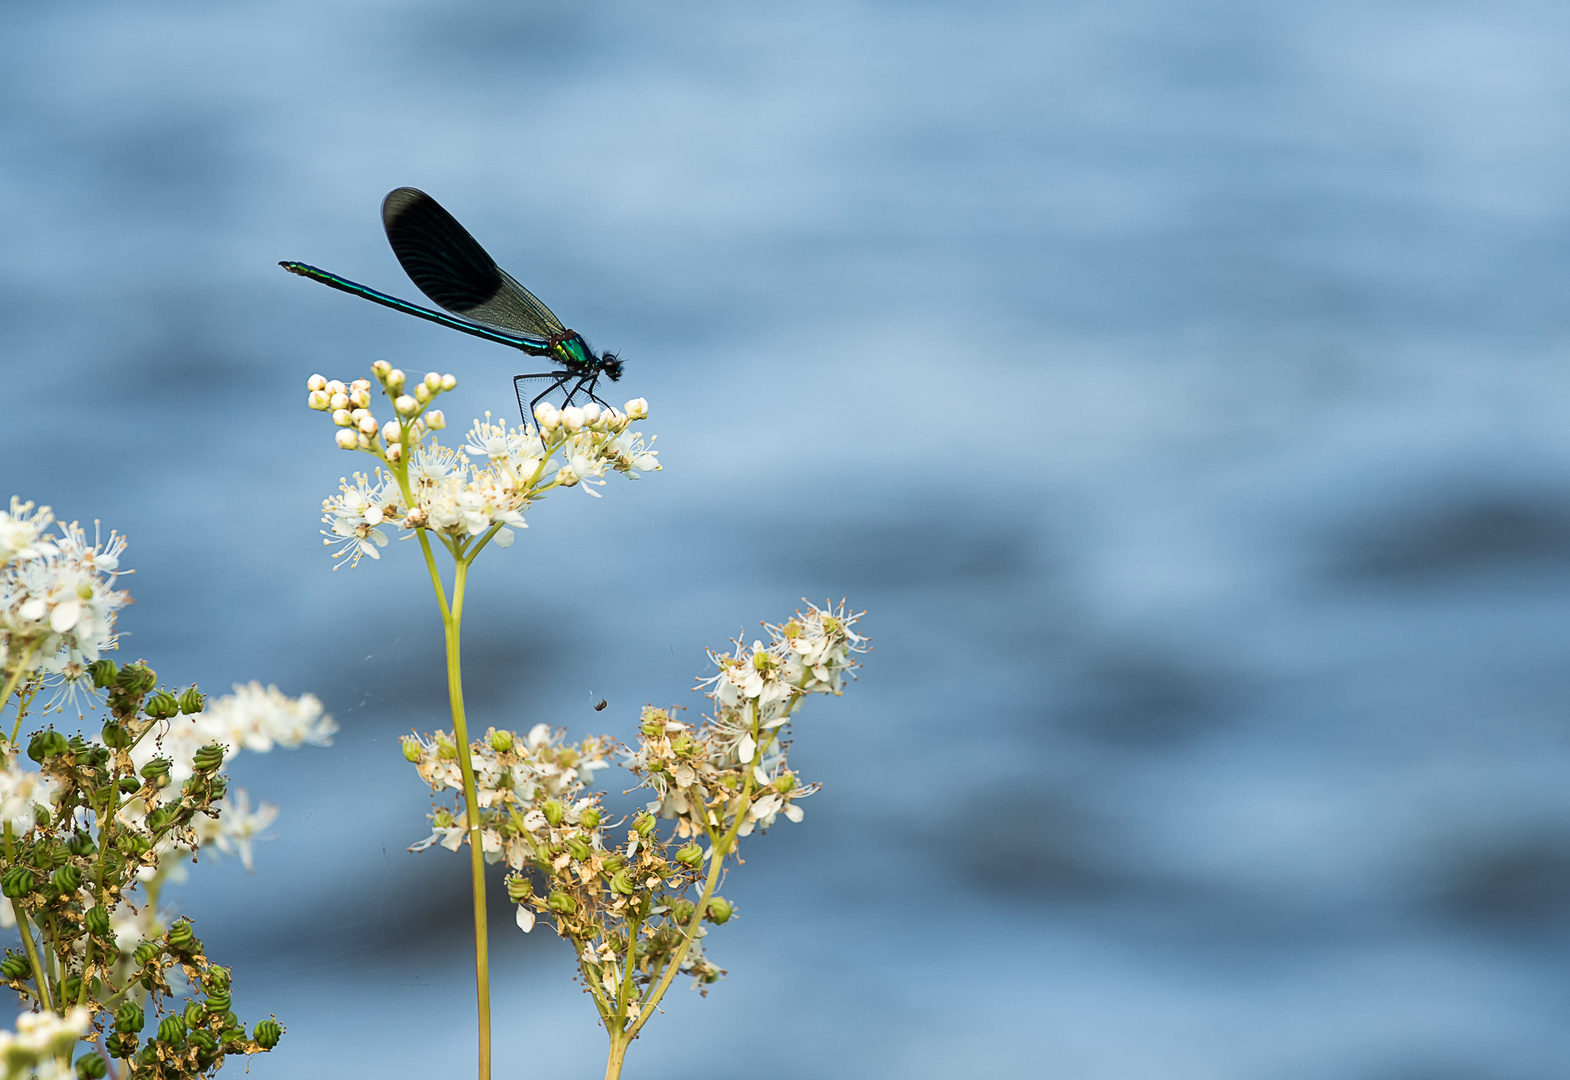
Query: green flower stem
x,y
10,688
27,931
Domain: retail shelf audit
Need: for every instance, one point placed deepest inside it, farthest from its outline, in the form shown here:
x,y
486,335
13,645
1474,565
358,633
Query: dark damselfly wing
x,y
449,266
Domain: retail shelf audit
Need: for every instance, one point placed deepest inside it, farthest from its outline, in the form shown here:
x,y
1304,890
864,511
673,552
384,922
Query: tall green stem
x,y
452,623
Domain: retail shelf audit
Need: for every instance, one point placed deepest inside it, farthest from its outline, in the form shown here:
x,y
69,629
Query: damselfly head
x,y
610,364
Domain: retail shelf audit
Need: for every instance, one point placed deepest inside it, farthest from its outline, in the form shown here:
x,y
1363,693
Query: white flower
x,y
20,791
354,514
238,827
22,532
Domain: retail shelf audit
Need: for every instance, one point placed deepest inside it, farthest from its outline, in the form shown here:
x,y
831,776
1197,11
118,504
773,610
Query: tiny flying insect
x,y
601,706
449,266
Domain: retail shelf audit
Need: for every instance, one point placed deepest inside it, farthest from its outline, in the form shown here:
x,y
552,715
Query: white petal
x,y
64,616
747,749
525,919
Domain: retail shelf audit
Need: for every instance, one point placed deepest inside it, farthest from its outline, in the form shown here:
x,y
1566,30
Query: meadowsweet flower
x,y
236,827
355,515
22,531
20,791
252,718
40,1037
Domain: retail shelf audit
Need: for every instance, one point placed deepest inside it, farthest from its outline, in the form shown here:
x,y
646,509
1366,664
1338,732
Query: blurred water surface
x,y
1181,386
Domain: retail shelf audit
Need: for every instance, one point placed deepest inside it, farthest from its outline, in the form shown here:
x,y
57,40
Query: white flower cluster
x,y
252,718
697,775
485,488
358,429
513,775
57,598
20,791
31,1051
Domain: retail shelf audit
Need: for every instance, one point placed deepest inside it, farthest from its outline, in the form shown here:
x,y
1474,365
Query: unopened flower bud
x,y
360,399
395,452
547,415
501,741
719,911
334,386
394,380
318,400
519,888
362,440
316,382
392,432
406,405
343,417
435,420
422,394
413,752
347,438
338,401
591,413
572,417
380,368
690,856
637,408
566,477
414,519
449,382
368,425
553,811
589,818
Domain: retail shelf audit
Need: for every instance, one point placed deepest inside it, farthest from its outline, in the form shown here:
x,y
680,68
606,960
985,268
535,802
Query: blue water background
x,y
1181,387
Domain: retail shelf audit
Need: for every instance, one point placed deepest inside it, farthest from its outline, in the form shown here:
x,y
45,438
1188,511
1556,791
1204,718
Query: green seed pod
x,y
97,921
53,856
218,1002
719,911
519,889
217,978
103,672
446,750
145,952
129,784
17,882
192,701
40,814
81,843
413,752
115,735
91,1067
553,811
644,823
67,879
15,967
129,1017
579,848
614,863
158,819
589,818
180,935
501,741
204,1042
148,1058
133,843
72,988
561,903
232,1023
784,783
47,744
162,706
172,1030
121,1044
621,883
690,856
218,787
130,677
682,910
195,1013
268,1032
156,769
208,757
